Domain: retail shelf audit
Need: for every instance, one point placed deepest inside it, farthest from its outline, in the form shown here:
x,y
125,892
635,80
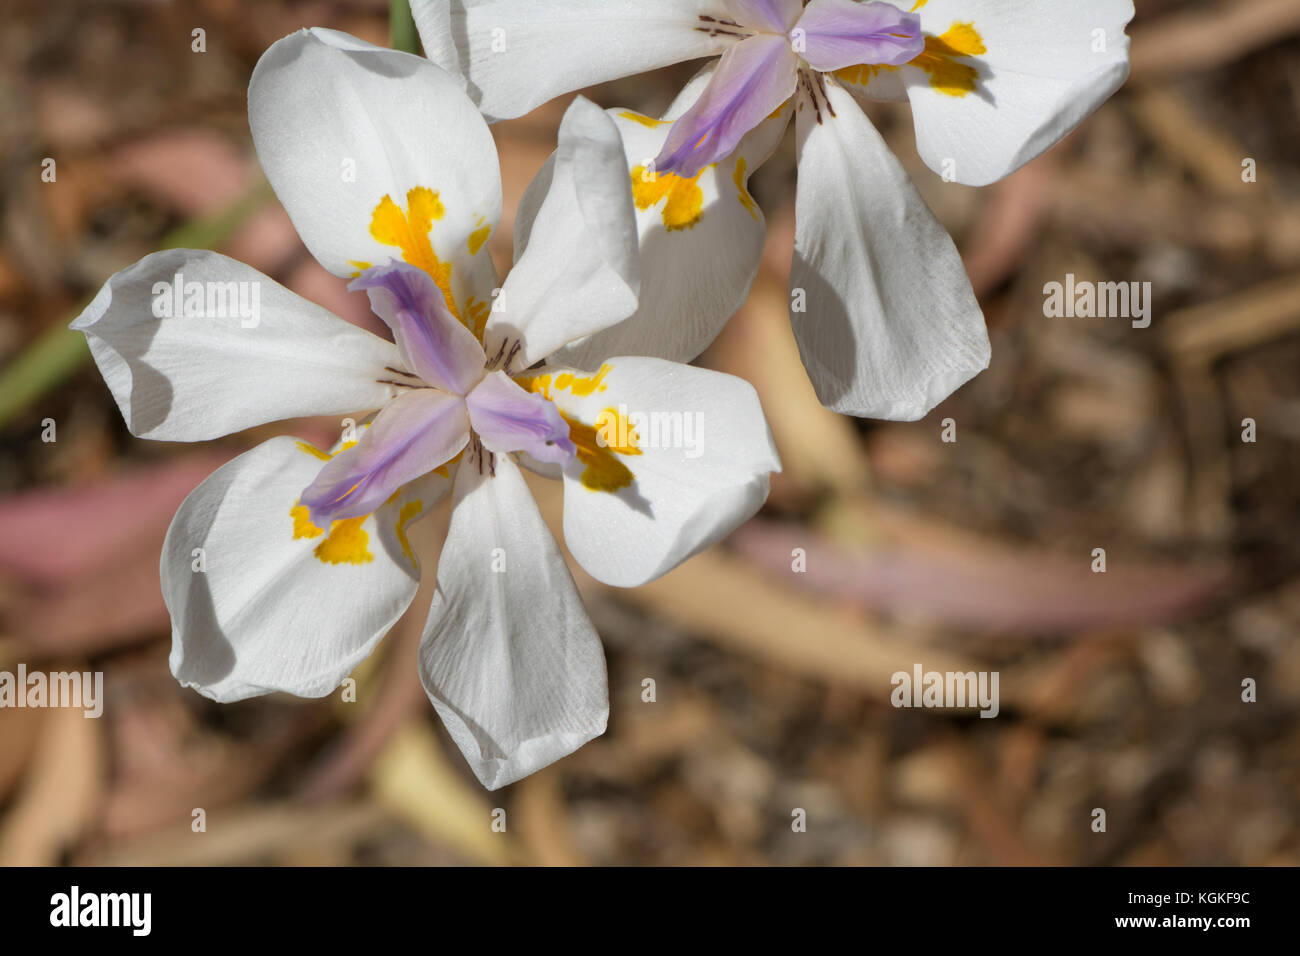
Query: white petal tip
x,y
912,408
529,757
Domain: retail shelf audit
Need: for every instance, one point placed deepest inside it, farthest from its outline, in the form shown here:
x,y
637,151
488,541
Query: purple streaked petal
x,y
411,436
507,419
840,33
753,78
440,350
770,16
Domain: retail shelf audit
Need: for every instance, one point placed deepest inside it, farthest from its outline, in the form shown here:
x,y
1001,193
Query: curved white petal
x,y
378,155
576,265
517,54
509,657
1045,66
231,350
890,326
701,242
261,600
678,458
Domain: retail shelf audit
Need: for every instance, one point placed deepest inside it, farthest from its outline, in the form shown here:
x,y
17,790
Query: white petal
x,y
199,377
705,458
891,326
1047,65
509,657
266,613
517,54
700,251
339,125
576,265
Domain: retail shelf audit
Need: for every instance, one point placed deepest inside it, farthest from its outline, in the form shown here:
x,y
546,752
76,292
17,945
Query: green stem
x,y
60,351
401,25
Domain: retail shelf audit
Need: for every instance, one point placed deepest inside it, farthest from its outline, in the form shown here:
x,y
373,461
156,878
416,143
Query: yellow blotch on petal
x,y
314,451
347,543
410,511
575,383
477,315
409,231
597,446
615,432
479,236
863,73
645,121
746,199
302,526
938,60
685,199
962,39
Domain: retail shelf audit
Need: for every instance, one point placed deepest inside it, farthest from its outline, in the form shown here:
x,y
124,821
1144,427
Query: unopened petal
x,y
576,265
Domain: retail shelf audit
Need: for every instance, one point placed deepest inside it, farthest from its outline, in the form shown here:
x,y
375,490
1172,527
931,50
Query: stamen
x,y
505,355
480,456
815,86
716,27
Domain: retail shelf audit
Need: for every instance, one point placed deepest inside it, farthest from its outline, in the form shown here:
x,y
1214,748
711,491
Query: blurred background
x,y
1120,691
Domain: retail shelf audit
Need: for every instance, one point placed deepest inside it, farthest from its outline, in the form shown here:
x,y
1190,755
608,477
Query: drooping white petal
x,y
509,658
673,459
517,54
261,600
576,266
195,345
701,242
883,312
1004,80
376,155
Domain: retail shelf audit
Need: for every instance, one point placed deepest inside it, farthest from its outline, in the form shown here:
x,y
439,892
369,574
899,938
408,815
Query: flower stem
x,y
402,27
